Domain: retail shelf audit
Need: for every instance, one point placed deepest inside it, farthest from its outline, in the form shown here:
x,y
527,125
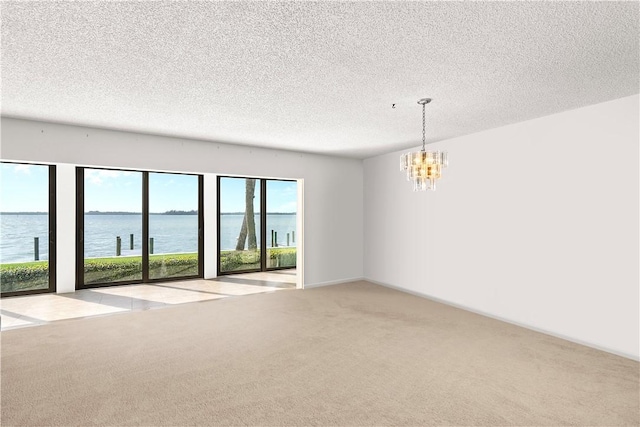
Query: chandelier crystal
x,y
423,167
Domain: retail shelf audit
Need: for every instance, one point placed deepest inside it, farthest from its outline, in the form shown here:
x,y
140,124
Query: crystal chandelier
x,y
424,167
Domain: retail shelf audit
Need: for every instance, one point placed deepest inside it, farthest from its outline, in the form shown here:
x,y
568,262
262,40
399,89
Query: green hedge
x,y
286,257
250,260
24,276
35,275
105,270
239,260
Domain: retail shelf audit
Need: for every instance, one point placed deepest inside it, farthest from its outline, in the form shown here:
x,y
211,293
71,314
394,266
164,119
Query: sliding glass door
x,y
239,226
256,224
174,229
27,228
282,203
112,221
136,226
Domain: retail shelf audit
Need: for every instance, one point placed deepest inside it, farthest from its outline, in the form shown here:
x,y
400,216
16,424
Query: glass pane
x,y
112,219
239,224
282,204
24,227
173,225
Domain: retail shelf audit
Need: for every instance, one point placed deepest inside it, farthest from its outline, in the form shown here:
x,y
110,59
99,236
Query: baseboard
x,y
332,282
502,319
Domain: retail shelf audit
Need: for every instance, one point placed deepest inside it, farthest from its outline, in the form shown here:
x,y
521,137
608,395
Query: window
x,y
239,224
111,220
174,227
27,228
282,203
256,224
137,226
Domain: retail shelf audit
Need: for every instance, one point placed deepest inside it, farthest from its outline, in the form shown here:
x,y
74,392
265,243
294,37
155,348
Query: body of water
x,y
171,234
230,228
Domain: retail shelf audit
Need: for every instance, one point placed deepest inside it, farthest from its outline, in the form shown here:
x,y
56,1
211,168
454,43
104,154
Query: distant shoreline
x,y
150,213
258,213
108,213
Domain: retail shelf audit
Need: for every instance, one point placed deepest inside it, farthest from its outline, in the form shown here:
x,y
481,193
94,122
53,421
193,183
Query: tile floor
x,y
32,310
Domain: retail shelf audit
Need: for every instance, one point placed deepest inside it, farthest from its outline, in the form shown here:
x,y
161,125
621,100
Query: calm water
x,y
171,234
230,228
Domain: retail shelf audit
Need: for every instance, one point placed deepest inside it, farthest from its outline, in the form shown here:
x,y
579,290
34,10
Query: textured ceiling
x,y
316,77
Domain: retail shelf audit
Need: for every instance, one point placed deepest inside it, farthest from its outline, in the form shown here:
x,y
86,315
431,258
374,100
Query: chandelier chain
x,y
423,128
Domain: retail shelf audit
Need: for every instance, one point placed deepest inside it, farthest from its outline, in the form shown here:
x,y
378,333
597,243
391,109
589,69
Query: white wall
x,y
65,229
333,188
535,223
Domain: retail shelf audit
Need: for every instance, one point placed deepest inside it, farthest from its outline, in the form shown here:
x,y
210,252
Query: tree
x,y
248,228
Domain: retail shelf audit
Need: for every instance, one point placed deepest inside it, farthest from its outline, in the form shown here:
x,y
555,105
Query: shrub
x,y
103,270
287,259
35,275
31,275
239,260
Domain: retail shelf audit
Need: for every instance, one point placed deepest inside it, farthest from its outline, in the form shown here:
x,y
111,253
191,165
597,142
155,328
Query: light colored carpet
x,y
350,354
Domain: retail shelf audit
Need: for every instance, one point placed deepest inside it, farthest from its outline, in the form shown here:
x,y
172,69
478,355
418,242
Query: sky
x,y
24,188
282,196
110,190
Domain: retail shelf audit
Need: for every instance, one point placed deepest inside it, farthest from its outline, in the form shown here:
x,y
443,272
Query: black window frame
x,y
263,226
51,233
145,230
263,219
218,228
